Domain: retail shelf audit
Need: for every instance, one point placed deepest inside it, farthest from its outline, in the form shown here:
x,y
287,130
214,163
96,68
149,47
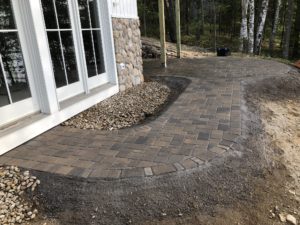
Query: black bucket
x,y
223,51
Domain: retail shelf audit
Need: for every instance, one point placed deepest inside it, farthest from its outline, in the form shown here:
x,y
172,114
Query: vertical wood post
x,y
178,28
162,26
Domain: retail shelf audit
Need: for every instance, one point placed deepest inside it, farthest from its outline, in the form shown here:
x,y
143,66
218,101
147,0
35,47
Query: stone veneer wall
x,y
128,49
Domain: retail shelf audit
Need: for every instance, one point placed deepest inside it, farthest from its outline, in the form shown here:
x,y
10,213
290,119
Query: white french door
x,y
50,51
74,38
57,16
17,98
91,31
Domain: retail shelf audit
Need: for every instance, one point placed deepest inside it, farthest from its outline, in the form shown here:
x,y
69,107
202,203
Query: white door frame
x,y
85,83
103,78
69,90
107,45
99,79
28,106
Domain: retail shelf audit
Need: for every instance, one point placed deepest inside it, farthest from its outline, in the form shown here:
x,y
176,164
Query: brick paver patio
x,y
201,125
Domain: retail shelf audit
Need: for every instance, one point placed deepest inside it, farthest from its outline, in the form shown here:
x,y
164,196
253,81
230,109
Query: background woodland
x,y
261,27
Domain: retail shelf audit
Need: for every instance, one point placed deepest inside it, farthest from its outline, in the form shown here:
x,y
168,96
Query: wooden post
x,y
178,28
162,26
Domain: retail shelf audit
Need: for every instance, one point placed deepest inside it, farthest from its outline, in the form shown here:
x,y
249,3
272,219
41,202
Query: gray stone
x,y
148,171
291,219
128,48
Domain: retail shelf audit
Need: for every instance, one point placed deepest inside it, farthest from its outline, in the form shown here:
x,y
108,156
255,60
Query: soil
x,y
151,49
250,187
279,105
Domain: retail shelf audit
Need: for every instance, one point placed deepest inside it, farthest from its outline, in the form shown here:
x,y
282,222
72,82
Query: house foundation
x,y
128,50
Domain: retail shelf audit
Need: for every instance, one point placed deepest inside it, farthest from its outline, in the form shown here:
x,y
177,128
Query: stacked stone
x,y
14,209
128,49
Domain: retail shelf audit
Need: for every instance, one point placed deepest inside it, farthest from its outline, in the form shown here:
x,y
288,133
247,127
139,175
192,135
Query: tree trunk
x,y
220,28
244,27
171,20
144,18
233,21
288,28
202,15
297,32
283,22
200,22
261,26
251,26
215,25
198,30
275,26
187,17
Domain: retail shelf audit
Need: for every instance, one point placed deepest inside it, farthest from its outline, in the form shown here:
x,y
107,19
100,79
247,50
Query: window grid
x,y
3,68
68,29
7,31
7,85
92,29
92,36
5,80
60,41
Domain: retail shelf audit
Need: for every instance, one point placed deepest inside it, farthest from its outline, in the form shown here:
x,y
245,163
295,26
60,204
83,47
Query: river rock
x,y
291,219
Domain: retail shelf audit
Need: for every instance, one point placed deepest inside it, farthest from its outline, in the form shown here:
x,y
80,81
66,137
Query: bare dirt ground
x,y
151,49
282,124
278,101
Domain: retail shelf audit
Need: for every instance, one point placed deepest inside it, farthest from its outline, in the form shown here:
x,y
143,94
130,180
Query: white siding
x,y
124,8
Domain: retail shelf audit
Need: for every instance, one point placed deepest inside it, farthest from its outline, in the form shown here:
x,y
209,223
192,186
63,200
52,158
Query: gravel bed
x,y
15,208
124,109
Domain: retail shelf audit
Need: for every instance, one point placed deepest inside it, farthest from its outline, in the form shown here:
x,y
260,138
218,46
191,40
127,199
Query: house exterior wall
x,y
124,8
128,50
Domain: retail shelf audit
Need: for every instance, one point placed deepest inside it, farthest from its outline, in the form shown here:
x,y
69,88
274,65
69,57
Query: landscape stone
x,y
128,48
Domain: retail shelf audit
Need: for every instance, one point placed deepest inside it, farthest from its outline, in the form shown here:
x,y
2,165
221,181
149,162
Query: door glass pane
x,y
4,100
63,14
98,51
70,58
7,17
14,66
61,42
89,53
84,13
94,14
57,61
49,14
90,26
